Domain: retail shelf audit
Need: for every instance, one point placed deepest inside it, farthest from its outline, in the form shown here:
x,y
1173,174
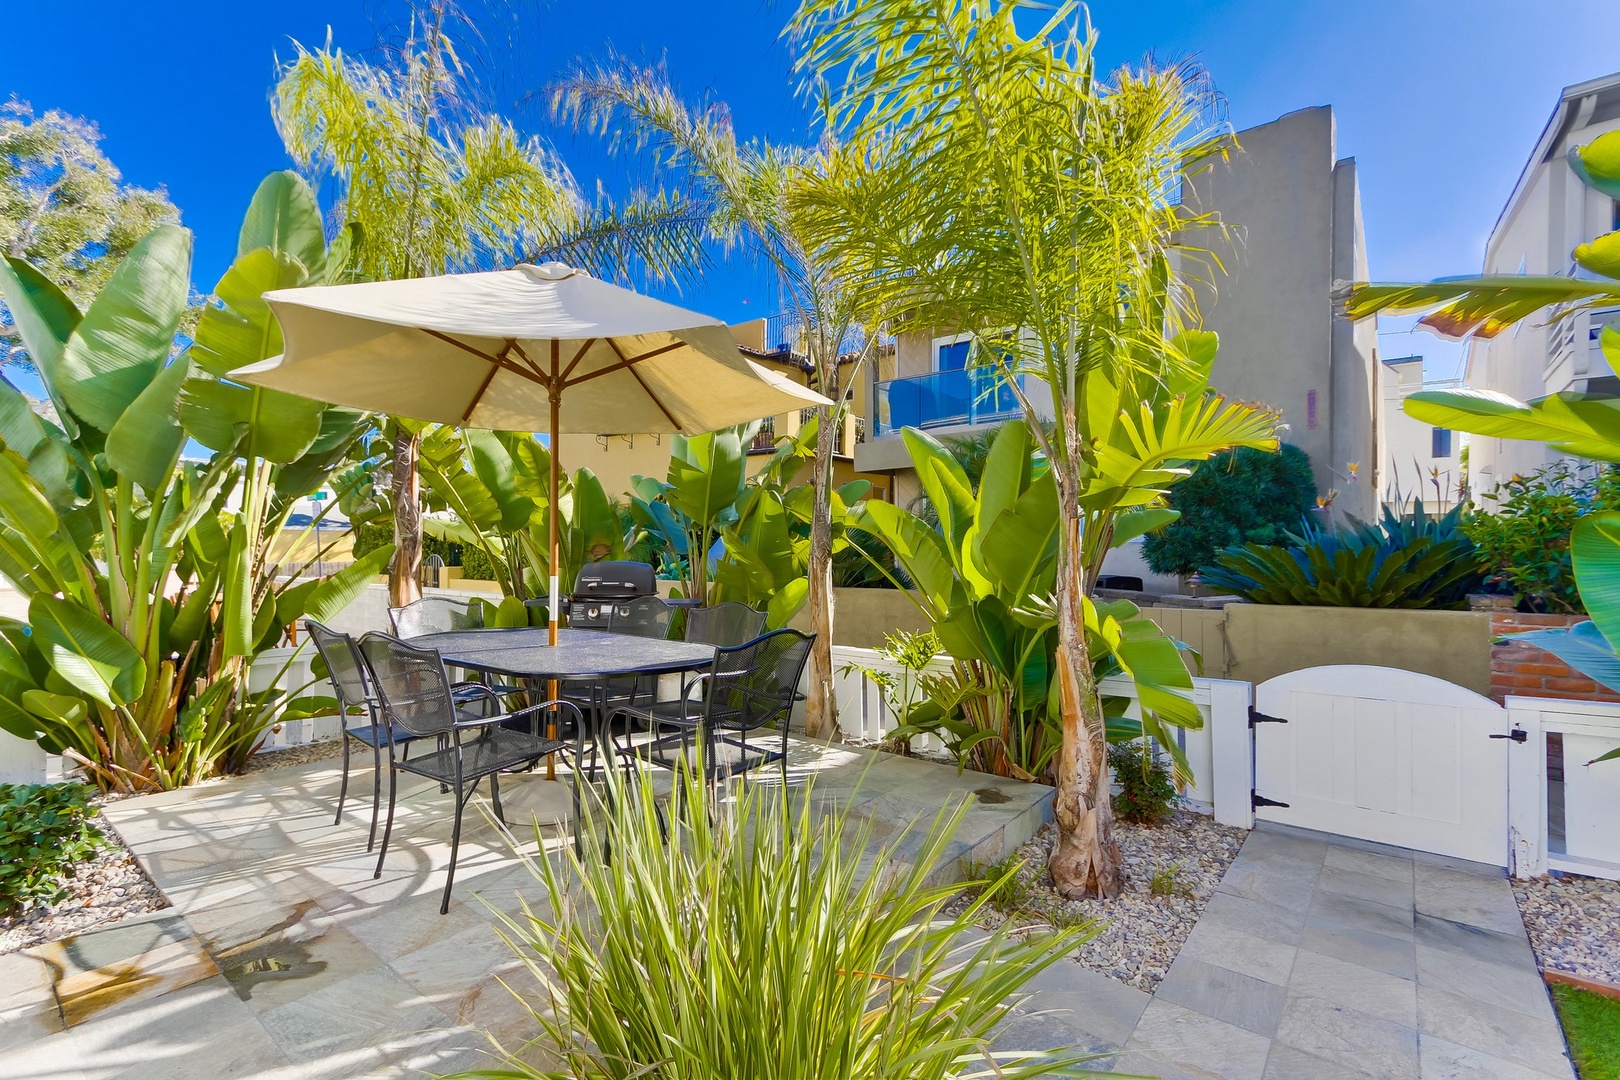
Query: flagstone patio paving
x,y
283,957
1319,957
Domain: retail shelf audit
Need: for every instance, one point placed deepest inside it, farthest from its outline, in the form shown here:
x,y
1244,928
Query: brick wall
x,y
1526,671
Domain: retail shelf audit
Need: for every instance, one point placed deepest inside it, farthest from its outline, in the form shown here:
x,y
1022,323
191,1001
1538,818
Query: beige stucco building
x,y
616,459
1292,211
1548,214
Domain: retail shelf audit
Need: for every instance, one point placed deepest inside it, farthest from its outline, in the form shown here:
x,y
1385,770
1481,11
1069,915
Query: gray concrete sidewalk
x,y
1321,958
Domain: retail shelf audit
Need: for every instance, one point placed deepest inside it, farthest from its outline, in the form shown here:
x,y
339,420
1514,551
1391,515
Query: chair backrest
x,y
754,684
435,615
644,616
411,685
344,667
730,623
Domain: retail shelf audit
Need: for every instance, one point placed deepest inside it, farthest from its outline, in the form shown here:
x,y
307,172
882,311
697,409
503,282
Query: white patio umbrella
x,y
536,348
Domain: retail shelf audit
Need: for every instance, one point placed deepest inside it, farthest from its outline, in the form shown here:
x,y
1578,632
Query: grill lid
x,y
614,581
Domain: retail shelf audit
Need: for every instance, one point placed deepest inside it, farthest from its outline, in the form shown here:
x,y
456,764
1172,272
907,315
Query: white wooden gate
x,y
1386,755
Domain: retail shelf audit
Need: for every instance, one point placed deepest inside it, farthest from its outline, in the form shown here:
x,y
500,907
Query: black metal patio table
x,y
523,653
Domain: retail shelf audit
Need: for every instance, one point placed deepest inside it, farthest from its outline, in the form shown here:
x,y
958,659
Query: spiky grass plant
x,y
759,939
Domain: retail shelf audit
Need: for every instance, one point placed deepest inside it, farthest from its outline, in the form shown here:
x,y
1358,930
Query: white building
x,y
1548,214
1420,460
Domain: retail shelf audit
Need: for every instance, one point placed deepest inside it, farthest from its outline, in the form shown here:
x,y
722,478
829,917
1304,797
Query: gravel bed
x,y
1140,933
110,887
1574,924
295,755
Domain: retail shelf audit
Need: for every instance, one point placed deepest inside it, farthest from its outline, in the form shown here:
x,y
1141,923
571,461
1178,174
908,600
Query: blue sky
x,y
1439,101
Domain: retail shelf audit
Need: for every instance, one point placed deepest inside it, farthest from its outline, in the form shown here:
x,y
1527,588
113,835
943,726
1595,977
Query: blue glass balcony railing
x,y
944,398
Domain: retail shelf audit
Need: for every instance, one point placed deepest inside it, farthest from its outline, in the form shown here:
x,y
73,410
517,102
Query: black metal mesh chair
x,y
347,672
436,615
749,687
414,694
727,624
642,616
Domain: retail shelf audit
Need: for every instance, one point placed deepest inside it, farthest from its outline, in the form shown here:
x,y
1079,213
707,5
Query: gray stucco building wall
x,y
1291,231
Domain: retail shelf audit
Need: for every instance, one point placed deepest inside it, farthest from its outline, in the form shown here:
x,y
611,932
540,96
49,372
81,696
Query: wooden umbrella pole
x,y
554,598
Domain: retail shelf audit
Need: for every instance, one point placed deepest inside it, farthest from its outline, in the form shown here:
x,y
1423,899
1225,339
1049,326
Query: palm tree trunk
x,y
404,573
821,703
1085,860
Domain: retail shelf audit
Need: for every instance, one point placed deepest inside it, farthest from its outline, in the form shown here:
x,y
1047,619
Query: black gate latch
x,y
1517,735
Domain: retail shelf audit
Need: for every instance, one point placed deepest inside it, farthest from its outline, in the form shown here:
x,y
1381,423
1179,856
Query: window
x,y
1441,443
952,355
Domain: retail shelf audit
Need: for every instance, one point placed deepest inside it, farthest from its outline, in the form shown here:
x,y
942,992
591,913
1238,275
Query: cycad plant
x,y
1405,560
763,939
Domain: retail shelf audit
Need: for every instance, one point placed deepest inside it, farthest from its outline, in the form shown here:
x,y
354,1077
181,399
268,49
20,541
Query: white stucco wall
x,y
1410,468
1548,214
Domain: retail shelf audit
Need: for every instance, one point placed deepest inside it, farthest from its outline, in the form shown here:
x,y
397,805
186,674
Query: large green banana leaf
x,y
85,651
126,334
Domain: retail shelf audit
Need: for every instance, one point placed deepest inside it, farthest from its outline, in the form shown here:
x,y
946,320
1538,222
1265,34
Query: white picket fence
x,y
1218,752
1562,810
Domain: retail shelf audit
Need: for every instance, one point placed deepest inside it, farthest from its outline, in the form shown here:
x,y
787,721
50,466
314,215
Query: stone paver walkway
x,y
282,958
1318,958
1322,958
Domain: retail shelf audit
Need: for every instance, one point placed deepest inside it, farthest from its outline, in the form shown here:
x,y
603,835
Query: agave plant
x,y
151,582
756,941
1406,560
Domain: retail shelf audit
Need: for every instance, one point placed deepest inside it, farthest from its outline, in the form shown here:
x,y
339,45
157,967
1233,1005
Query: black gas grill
x,y
601,585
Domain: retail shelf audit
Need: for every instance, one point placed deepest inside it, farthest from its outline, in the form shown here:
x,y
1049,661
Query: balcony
x,y
945,399
774,427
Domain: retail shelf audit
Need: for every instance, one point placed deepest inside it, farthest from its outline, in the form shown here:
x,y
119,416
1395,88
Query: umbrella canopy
x,y
535,348
500,349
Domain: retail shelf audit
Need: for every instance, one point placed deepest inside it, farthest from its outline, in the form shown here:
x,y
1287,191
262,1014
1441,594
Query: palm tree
x,y
998,183
749,191
437,186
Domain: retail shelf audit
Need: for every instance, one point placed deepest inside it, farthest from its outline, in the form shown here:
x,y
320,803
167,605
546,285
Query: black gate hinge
x,y
1517,735
1257,801
1258,717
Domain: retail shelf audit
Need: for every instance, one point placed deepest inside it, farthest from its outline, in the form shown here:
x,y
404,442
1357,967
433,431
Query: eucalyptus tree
x,y
436,185
749,190
65,208
996,182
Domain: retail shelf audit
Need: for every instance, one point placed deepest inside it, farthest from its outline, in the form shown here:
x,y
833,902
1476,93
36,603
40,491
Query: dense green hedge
x,y
1237,497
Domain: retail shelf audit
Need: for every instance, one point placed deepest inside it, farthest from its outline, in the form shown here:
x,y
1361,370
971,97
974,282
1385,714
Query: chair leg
x,y
343,789
376,793
455,845
495,796
388,828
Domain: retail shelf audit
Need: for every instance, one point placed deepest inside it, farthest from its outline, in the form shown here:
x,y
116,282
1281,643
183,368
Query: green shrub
x,y
45,830
1237,497
1408,560
377,534
1147,790
1525,542
751,937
